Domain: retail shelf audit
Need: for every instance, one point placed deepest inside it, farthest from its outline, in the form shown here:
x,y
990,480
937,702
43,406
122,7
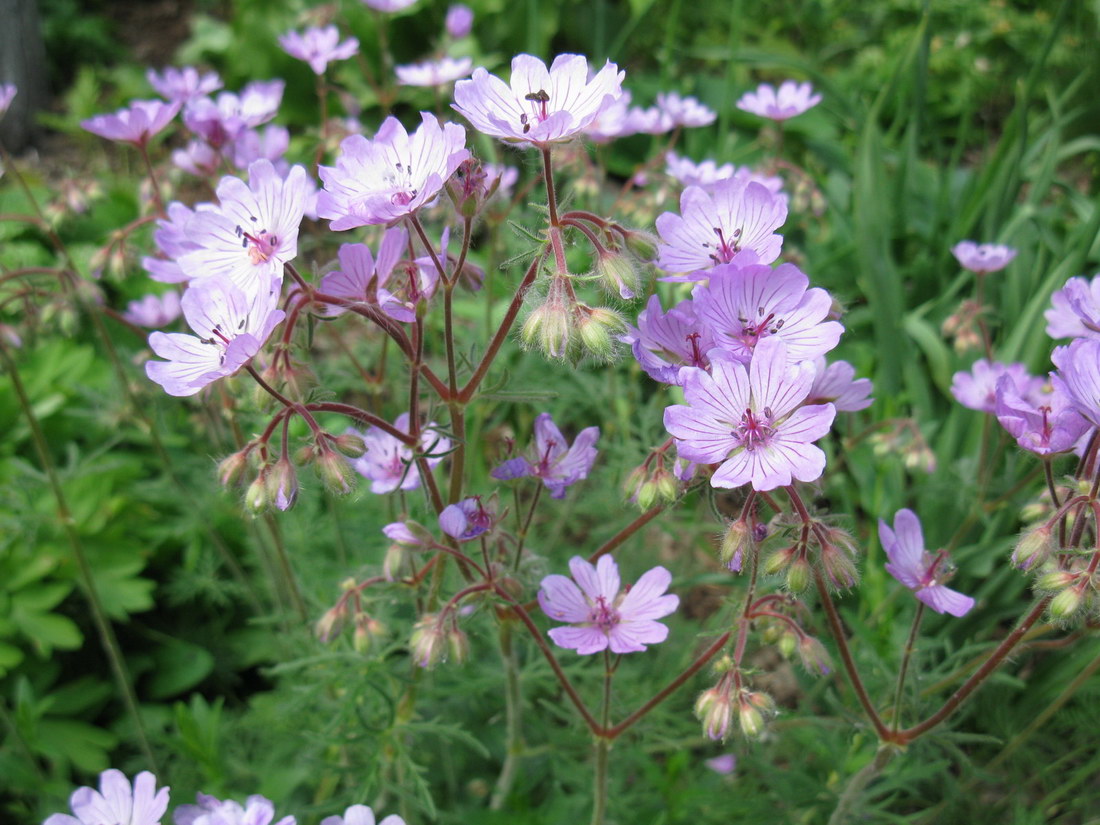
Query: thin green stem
x,y
846,804
522,537
602,747
905,659
513,709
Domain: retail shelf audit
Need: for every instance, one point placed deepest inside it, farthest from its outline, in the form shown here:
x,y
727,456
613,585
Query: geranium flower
x,y
388,461
434,72
360,273
1079,373
714,226
154,310
466,519
116,802
460,19
182,84
977,389
665,342
389,6
173,241
837,384
983,258
683,111
8,92
792,99
1075,310
319,46
1043,420
540,106
221,120
231,325
752,420
918,569
382,180
707,173
603,617
558,464
135,124
361,815
210,810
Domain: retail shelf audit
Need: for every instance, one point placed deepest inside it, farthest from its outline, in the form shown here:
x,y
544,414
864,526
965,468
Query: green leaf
x,y
179,666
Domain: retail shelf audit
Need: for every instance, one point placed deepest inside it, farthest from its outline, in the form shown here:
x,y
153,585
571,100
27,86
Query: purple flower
x,y
7,95
434,72
540,106
665,343
792,99
319,46
507,175
683,111
983,258
154,310
253,232
173,241
1043,420
751,420
360,274
197,158
210,810
221,120
231,325
558,464
465,520
388,462
402,534
836,384
135,124
182,84
602,616
1079,374
252,145
707,173
745,305
724,764
918,569
382,180
1075,310
977,389
361,815
613,121
116,802
714,226
459,22
389,6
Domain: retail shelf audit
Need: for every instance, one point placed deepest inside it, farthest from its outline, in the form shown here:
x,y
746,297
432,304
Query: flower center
x,y
697,359
538,102
603,615
751,334
261,244
726,249
1048,428
930,576
754,431
401,180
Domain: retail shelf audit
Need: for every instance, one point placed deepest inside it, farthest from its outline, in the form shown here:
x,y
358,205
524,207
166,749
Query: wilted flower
x,y
319,46
540,106
601,616
558,464
135,123
790,100
434,72
918,569
380,180
983,258
117,802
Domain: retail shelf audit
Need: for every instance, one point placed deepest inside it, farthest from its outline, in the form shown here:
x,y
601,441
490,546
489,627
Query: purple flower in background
x,y
724,764
918,569
7,95
135,124
361,815
983,258
714,226
116,802
690,173
382,180
1043,420
402,534
683,111
465,520
507,175
837,384
1075,310
540,105
558,464
221,120
253,232
977,389
154,310
231,326
182,84
790,100
1079,374
360,273
618,119
459,22
603,617
197,158
388,461
389,6
271,144
210,810
434,72
745,305
173,241
751,420
319,46
665,342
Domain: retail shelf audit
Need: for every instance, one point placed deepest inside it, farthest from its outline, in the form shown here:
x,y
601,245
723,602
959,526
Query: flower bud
x,y
366,631
256,496
282,484
428,641
394,561
335,471
814,656
735,542
642,245
798,575
599,329
232,468
839,568
779,560
788,642
617,274
751,720
459,644
350,445
1034,547
329,624
1055,581
550,328
715,710
1066,603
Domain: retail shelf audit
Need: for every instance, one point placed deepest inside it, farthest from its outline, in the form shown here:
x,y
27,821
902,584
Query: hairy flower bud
x,y
1034,547
1055,581
428,642
331,623
366,631
617,274
839,568
256,497
814,656
642,245
715,710
549,327
737,540
350,444
459,644
798,575
751,720
335,472
779,560
231,468
282,484
1066,603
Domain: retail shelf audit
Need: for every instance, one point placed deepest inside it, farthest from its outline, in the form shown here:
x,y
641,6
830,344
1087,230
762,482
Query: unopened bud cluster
x,y
563,328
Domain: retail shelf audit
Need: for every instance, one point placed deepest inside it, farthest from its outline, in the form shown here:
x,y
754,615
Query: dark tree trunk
x,y
22,62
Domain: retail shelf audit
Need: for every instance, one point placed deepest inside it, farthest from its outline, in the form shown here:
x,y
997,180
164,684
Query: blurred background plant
x,y
941,121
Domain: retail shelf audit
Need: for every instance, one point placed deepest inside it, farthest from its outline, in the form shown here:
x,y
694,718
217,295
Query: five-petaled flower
x,y
389,463
983,258
555,462
790,100
319,46
916,568
603,617
116,802
135,124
